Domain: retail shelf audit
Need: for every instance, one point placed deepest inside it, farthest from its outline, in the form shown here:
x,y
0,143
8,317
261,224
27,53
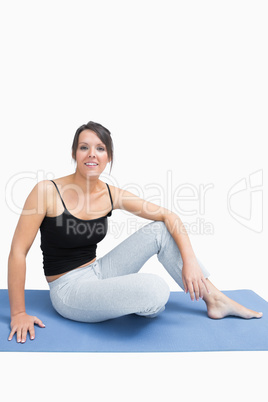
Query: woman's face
x,y
91,154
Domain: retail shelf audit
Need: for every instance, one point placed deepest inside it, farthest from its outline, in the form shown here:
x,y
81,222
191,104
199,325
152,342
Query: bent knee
x,y
158,289
157,227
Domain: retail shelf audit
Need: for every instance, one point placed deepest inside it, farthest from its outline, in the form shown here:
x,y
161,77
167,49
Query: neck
x,y
87,184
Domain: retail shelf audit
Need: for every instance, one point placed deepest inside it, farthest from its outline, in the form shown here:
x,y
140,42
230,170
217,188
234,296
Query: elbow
x,y
17,253
167,215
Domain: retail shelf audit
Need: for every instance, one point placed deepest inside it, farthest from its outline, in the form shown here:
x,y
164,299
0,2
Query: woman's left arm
x,y
192,276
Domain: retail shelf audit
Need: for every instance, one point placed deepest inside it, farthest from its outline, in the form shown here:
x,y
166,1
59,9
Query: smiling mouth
x,y
91,164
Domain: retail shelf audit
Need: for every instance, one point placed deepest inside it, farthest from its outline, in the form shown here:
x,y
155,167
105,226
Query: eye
x,y
83,147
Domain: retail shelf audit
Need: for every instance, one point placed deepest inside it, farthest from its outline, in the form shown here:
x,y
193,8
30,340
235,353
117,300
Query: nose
x,y
91,153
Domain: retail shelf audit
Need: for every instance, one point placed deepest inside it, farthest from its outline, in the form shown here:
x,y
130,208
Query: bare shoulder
x,y
114,194
124,199
44,188
43,197
40,189
47,191
38,197
119,195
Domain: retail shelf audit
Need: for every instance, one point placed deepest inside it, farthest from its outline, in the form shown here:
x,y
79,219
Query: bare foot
x,y
220,306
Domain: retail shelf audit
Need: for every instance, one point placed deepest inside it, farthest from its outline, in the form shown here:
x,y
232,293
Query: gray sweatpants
x,y
112,286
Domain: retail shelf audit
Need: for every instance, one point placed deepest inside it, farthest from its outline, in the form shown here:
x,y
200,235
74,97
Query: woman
x,y
71,213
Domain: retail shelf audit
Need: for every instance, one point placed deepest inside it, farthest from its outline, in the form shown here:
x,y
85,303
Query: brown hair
x,y
103,134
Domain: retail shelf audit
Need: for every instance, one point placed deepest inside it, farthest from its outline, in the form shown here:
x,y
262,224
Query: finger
x,y
196,290
11,334
32,333
24,334
18,335
191,291
185,285
201,289
38,322
205,282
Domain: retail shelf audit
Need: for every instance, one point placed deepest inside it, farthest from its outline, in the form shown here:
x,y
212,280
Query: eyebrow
x,y
83,142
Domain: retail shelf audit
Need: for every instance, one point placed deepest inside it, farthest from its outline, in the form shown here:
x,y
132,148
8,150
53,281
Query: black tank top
x,y
68,242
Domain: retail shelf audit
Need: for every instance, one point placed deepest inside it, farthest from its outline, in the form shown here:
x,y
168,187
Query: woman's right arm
x,y
32,215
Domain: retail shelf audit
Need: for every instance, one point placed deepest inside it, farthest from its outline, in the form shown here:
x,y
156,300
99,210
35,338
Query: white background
x,y
182,86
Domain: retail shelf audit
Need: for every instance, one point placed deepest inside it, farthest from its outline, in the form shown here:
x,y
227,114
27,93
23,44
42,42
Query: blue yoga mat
x,y
183,327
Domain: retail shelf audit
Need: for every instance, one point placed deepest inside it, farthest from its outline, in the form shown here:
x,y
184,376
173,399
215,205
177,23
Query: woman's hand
x,y
194,280
22,323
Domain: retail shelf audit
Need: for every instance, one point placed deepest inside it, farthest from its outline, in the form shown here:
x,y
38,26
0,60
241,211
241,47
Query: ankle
x,y
213,297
